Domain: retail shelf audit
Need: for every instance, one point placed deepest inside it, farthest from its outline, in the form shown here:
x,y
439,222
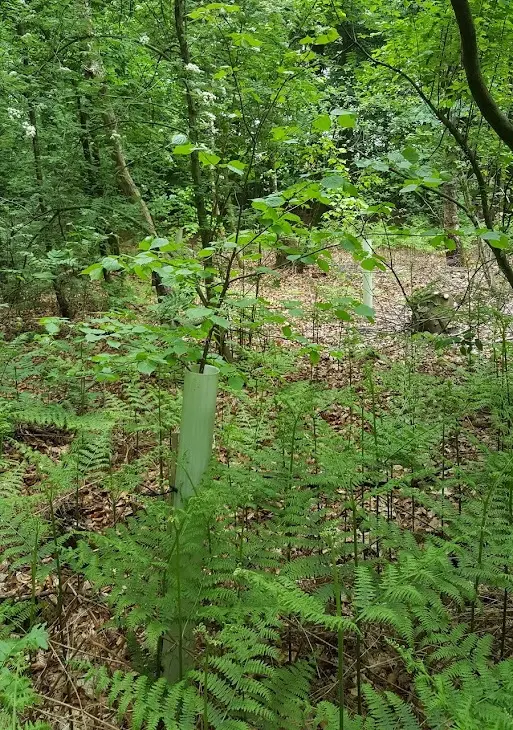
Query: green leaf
x,y
322,123
159,242
208,158
204,253
220,321
315,356
51,324
274,201
332,182
236,382
496,239
236,166
184,149
410,187
410,153
198,313
364,311
345,118
329,35
323,265
146,367
95,272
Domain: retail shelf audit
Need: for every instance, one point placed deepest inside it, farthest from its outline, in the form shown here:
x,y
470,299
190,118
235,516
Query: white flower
x,y
208,115
13,113
144,39
30,130
115,135
193,69
207,97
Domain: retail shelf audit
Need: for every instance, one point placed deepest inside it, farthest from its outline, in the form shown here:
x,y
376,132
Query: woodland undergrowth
x,y
346,564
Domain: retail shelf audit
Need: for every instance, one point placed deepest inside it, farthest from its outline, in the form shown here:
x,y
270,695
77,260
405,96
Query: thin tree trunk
x,y
62,302
192,116
454,257
125,180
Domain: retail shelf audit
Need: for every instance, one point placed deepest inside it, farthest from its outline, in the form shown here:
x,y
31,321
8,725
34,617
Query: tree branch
x,y
489,108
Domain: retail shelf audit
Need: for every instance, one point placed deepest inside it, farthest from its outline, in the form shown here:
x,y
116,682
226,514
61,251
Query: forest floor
x,y
68,702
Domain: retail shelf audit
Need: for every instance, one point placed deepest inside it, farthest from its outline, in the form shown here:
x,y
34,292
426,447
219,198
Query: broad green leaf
x,y
332,182
364,311
208,158
411,154
95,272
322,123
315,356
236,166
236,382
159,242
329,35
323,265
274,201
496,239
51,324
198,312
410,187
146,367
184,149
220,321
204,253
345,118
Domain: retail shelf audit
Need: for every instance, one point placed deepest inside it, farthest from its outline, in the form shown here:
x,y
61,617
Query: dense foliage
x,y
346,561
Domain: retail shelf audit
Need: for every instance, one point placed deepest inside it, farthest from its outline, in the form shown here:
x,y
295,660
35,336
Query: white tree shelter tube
x,y
196,430
194,453
368,279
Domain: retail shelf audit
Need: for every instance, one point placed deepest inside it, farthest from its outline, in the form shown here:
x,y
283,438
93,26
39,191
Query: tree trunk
x,y
454,257
125,180
488,107
60,297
